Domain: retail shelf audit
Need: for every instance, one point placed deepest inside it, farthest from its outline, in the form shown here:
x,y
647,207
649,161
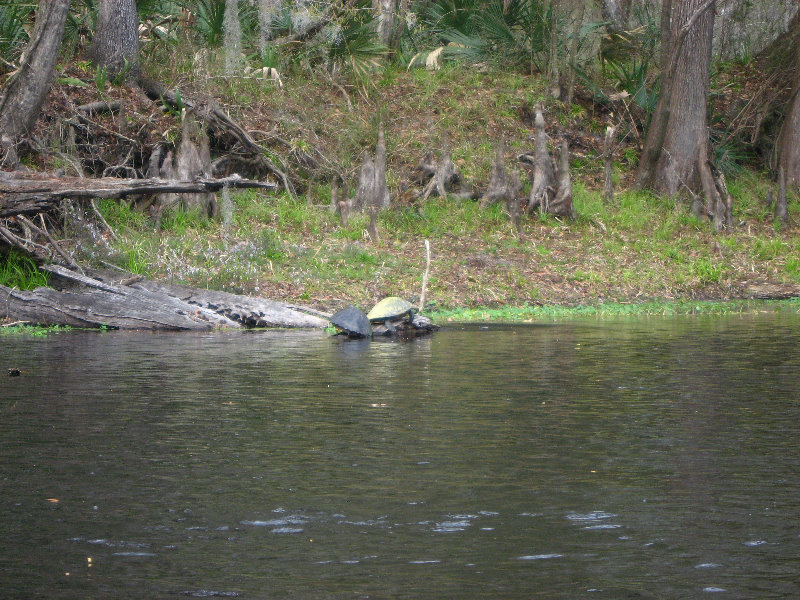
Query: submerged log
x,y
132,302
21,195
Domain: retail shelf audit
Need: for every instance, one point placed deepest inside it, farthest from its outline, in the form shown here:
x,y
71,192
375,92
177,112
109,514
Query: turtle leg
x,y
390,326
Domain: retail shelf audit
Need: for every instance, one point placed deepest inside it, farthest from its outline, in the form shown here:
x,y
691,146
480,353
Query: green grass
x,y
521,314
20,272
32,330
636,247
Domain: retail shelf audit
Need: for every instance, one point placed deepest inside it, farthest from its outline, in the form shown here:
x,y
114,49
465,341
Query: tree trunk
x,y
615,45
615,14
23,93
676,148
384,11
788,144
658,121
116,39
232,40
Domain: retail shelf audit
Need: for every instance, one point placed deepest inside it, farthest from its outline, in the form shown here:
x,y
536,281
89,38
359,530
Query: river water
x,y
646,458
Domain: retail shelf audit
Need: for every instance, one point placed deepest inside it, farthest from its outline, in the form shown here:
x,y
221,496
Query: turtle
x,y
389,311
423,323
353,322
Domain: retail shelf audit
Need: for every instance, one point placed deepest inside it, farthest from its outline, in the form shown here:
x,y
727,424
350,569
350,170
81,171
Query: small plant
x,y
12,33
32,330
352,45
101,80
210,16
120,77
706,271
20,272
792,267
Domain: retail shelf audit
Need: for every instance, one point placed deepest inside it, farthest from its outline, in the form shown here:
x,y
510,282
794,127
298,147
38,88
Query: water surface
x,y
651,458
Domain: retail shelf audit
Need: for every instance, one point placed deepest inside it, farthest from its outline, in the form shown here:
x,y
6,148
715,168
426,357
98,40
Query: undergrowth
x,y
635,249
20,272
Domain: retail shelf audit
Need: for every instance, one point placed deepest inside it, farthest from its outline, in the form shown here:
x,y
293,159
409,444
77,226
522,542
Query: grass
x,y
20,272
609,311
635,250
32,330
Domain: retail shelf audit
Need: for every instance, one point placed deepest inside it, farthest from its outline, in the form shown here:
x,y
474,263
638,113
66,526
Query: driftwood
x,y
132,302
31,194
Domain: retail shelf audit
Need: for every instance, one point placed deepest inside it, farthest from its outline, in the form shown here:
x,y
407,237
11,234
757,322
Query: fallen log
x,y
20,195
130,302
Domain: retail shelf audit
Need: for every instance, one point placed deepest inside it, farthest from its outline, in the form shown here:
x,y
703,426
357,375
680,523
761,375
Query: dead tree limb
x,y
122,302
608,162
38,193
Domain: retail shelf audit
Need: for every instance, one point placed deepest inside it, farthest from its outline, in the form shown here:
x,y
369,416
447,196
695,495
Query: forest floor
x,y
633,250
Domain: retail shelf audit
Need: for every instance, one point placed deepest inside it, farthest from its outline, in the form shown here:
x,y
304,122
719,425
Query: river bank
x,y
633,251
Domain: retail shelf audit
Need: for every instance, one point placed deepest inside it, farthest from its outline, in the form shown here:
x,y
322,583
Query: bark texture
x,y
384,10
126,302
39,193
788,144
23,94
676,147
616,44
372,189
116,40
615,14
542,187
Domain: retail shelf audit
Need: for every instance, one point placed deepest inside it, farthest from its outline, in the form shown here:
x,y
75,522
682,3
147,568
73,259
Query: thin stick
x,y
425,275
14,323
99,215
608,159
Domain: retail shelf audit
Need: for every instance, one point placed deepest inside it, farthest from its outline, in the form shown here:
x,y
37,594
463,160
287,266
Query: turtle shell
x,y
389,308
352,321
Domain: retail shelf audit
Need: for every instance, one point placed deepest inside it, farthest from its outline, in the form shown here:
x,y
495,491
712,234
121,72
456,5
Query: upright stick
x,y
425,275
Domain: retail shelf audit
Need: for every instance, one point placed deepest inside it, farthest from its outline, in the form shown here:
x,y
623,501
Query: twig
x,y
341,89
14,323
22,244
49,238
102,220
425,275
